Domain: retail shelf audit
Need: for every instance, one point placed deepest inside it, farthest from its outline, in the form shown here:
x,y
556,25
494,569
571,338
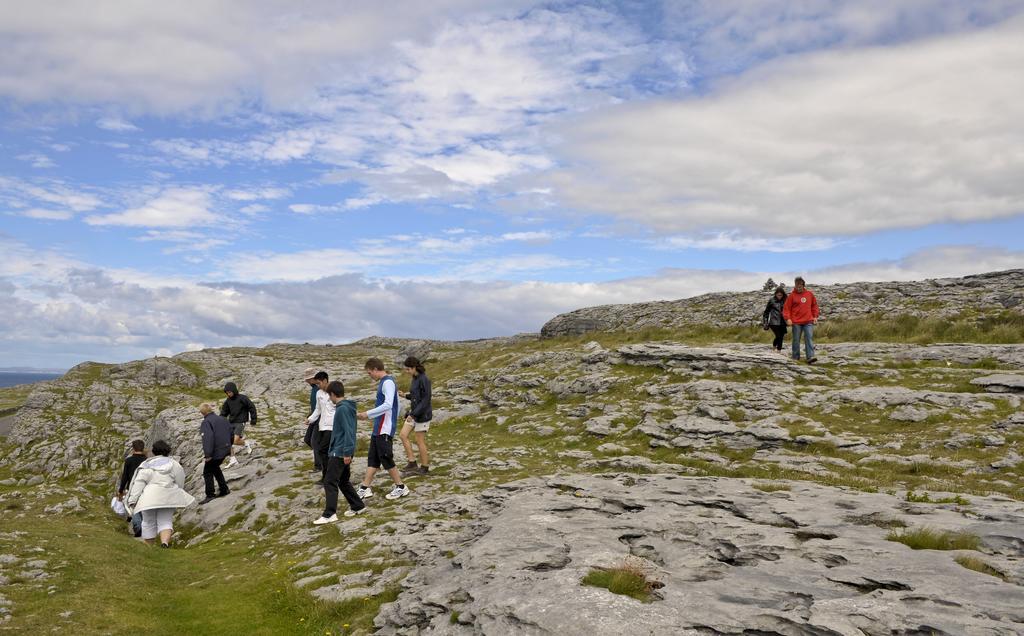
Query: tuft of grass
x,y
924,497
771,487
976,564
933,539
627,578
454,618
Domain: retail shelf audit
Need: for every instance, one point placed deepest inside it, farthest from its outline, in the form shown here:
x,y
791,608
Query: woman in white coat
x,y
156,491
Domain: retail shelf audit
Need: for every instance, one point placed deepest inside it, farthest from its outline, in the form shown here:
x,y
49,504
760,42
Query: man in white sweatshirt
x,y
324,411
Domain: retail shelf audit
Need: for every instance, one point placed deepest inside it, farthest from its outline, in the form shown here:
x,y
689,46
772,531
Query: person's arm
x,y
138,485
252,410
767,312
124,480
422,402
787,314
814,308
224,410
315,415
207,432
179,475
387,404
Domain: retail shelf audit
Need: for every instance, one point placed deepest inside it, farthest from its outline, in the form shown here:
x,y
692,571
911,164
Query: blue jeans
x,y
807,331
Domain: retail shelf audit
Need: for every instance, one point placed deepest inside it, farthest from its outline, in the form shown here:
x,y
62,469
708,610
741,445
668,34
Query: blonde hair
x,y
205,408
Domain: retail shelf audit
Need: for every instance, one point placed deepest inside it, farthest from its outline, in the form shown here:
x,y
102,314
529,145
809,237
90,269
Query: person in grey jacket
x,y
156,491
216,434
418,419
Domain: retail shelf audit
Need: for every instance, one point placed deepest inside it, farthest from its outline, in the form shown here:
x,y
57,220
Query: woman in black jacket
x,y
418,418
772,317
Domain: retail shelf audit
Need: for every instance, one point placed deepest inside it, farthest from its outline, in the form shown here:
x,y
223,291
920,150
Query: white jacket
x,y
324,410
158,483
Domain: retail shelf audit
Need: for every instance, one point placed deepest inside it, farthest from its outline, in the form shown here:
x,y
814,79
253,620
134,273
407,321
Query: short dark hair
x,y
336,388
138,445
321,375
800,279
374,364
160,447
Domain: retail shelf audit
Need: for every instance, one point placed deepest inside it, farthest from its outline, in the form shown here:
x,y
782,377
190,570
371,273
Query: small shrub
x,y
976,564
913,497
628,579
933,539
454,618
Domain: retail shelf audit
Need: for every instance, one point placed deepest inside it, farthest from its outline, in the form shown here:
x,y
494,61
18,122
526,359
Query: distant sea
x,y
11,379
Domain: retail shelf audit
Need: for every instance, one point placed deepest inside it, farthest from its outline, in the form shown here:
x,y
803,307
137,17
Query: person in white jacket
x,y
156,491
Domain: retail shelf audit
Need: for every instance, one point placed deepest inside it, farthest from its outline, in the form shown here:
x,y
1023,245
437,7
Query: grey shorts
x,y
238,429
422,427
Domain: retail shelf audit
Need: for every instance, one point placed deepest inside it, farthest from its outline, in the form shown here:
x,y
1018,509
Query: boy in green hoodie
x,y
339,457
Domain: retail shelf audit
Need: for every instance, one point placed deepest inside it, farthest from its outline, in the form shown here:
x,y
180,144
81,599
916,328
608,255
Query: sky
x,y
211,173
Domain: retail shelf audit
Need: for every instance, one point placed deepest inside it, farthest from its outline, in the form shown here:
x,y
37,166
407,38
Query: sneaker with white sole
x,y
352,513
364,492
398,492
248,448
322,520
231,463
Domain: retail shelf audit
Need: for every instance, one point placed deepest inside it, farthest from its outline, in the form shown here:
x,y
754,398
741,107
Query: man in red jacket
x,y
801,313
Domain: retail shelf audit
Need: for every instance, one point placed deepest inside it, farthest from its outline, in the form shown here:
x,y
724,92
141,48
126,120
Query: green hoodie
x,y
343,435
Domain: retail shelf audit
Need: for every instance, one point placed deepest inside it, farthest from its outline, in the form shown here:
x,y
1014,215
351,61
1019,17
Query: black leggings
x,y
780,334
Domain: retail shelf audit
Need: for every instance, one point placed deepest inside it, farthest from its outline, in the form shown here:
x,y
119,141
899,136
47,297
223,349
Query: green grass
x,y
771,487
924,497
932,539
626,579
114,584
976,564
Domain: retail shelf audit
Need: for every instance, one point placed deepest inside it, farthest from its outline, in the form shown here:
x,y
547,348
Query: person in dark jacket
x,y
216,433
418,419
339,458
131,464
310,438
239,410
772,318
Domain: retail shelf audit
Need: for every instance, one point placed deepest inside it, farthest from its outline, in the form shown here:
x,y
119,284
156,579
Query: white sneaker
x,y
352,513
398,492
231,462
248,448
364,492
322,520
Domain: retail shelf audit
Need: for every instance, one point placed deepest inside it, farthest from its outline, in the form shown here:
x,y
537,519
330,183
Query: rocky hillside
x,y
750,493
973,297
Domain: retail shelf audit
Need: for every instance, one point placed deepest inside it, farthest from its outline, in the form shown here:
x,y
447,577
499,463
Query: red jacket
x,y
801,309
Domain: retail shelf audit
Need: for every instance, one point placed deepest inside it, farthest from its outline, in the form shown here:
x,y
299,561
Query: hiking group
x,y
152,489
798,310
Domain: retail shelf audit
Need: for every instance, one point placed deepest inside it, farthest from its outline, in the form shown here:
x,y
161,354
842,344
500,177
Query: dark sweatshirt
x,y
419,395
131,464
216,432
343,435
238,408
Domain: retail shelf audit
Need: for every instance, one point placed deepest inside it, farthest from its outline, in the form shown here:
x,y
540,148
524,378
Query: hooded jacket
x,y
238,408
419,395
343,435
216,433
159,483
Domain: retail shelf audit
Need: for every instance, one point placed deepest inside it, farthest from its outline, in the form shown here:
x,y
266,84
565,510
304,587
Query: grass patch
x,y
933,539
628,579
976,564
924,497
771,487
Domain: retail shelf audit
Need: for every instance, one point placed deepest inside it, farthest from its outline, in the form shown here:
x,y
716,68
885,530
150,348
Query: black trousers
x,y
337,478
211,471
323,444
310,440
780,333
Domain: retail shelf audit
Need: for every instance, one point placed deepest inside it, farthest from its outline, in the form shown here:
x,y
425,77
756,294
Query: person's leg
x,y
208,478
797,331
137,524
421,442
809,341
372,464
404,436
314,445
164,518
331,477
345,483
368,478
324,448
218,475
149,526
779,334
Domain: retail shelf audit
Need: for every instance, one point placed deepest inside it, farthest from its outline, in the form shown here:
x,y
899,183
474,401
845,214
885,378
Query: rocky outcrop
x,y
942,297
725,558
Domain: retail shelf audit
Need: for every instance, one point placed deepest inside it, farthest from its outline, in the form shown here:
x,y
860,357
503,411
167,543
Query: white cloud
x,y
313,208
49,215
116,124
174,207
37,160
843,142
736,242
257,194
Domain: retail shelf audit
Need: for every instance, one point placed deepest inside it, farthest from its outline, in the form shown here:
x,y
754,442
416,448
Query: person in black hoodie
x,y
131,464
772,317
418,419
216,433
239,410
